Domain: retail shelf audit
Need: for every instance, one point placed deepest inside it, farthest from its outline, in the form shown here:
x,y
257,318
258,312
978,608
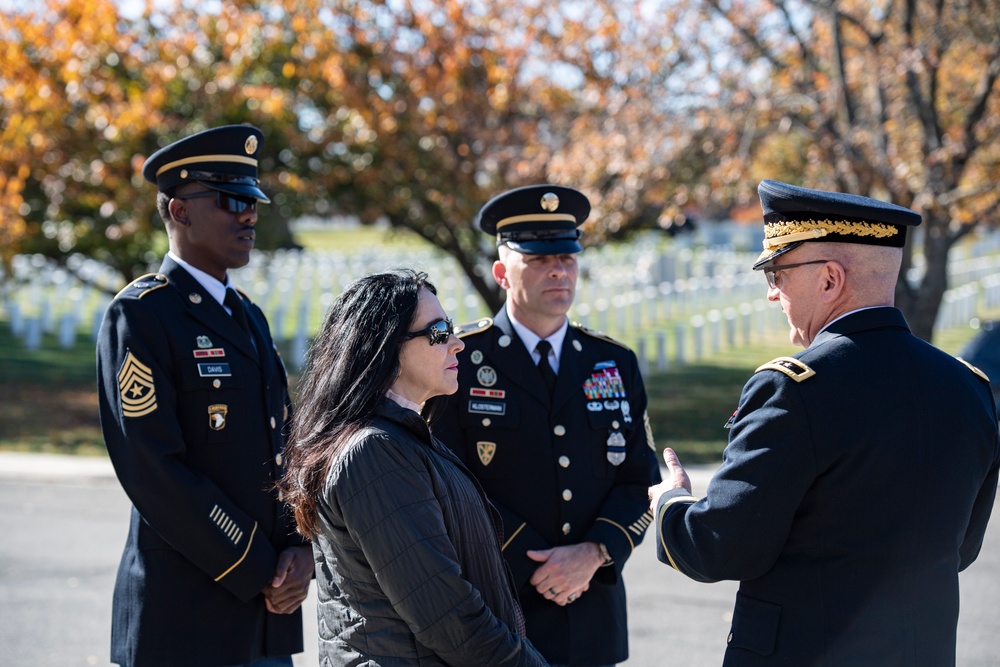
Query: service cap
x,y
222,158
537,219
795,215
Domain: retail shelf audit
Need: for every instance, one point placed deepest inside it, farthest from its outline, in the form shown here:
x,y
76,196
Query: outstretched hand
x,y
677,478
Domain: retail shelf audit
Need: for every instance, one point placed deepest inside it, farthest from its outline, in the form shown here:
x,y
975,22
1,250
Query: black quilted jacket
x,y
408,563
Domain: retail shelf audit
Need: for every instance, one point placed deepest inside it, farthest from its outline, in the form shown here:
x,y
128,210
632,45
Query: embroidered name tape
x,y
488,407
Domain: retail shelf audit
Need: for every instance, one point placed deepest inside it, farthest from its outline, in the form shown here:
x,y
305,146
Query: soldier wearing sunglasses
x,y
194,402
551,418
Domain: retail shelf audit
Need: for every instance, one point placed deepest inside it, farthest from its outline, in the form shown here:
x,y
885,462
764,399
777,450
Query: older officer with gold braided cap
x,y
860,473
551,418
193,403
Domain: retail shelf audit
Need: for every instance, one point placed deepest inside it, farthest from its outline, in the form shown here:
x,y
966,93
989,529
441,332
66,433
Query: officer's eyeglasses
x,y
771,272
224,200
438,332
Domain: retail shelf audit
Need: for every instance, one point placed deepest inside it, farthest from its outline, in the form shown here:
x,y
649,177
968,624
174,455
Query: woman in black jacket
x,y
407,546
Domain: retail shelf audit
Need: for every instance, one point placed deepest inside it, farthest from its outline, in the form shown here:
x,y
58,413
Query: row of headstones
x,y
695,339
617,292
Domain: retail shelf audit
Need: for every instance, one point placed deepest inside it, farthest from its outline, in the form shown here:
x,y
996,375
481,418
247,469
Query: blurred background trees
x,y
417,112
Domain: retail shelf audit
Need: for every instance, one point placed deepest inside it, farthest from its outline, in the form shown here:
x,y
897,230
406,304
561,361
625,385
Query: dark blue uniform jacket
x,y
848,501
193,419
571,470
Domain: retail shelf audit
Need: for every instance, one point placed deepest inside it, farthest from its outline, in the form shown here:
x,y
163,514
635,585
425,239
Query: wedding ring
x,y
571,597
552,592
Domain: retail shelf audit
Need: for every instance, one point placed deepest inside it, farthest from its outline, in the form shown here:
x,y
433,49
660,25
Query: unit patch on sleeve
x,y
790,366
135,386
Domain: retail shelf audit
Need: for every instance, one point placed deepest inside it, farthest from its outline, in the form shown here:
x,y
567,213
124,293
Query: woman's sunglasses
x,y
225,201
438,332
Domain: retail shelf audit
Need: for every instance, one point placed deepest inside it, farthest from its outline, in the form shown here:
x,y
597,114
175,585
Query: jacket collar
x,y
392,411
862,320
204,308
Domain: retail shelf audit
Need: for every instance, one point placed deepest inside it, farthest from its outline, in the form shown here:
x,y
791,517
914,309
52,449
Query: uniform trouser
x,y
284,661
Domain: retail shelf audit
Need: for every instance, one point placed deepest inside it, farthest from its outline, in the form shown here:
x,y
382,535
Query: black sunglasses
x,y
224,200
438,332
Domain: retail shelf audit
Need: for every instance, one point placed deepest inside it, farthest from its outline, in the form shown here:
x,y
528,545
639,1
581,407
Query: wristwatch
x,y
608,560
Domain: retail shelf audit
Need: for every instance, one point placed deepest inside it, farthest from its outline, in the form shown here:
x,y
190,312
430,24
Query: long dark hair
x,y
352,362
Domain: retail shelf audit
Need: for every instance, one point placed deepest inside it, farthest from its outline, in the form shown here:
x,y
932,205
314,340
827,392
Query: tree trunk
x,y
485,286
921,305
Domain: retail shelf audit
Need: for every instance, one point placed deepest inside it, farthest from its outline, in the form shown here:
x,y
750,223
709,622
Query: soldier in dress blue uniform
x,y
860,473
560,440
193,403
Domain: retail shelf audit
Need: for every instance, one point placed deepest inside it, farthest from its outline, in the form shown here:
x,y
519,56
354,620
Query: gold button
x,y
486,421
615,424
564,461
559,429
273,423
566,529
216,383
729,639
278,459
567,495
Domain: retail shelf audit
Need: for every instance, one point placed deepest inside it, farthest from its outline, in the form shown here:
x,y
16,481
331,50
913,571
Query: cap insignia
x,y
251,145
550,201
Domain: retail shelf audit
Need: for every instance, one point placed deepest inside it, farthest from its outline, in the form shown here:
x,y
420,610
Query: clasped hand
x,y
290,585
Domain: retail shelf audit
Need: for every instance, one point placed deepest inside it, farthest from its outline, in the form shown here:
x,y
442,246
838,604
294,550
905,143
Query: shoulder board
x,y
790,366
599,335
469,328
981,375
143,285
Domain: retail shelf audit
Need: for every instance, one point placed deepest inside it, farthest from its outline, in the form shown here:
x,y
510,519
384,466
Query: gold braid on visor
x,y
780,234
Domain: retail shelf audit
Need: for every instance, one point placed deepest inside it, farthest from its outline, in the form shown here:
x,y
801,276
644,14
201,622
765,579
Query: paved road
x,y
63,524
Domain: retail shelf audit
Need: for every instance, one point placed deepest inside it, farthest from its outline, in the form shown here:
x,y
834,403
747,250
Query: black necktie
x,y
232,302
544,367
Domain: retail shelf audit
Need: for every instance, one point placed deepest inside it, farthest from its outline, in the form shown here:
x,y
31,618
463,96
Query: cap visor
x,y
239,190
767,257
560,247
